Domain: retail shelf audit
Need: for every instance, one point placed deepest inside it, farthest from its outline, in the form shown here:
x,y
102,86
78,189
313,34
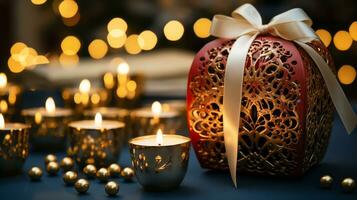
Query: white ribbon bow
x,y
244,26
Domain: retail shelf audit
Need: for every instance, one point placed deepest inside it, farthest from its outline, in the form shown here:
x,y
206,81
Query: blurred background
x,y
85,38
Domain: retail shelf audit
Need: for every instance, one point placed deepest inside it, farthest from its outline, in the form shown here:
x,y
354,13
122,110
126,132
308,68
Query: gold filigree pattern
x,y
272,130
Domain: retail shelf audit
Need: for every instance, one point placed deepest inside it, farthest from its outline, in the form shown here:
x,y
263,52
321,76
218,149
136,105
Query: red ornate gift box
x,y
286,111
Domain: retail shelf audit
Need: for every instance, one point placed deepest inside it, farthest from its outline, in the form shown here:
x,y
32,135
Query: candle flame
x,y
2,121
3,80
159,137
84,86
98,119
156,108
50,105
123,68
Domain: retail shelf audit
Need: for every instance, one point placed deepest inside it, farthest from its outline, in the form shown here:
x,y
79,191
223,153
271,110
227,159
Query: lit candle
x,y
14,139
8,96
160,161
96,141
147,120
48,125
3,80
84,96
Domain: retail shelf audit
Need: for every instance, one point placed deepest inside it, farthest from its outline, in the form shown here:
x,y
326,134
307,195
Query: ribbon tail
x,y
233,82
339,99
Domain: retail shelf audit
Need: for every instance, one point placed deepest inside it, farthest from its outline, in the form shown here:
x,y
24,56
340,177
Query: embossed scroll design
x,y
271,133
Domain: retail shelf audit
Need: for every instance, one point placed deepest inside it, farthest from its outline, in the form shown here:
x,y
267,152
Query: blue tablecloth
x,y
340,161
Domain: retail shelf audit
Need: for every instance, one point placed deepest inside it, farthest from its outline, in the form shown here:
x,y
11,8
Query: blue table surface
x,y
340,161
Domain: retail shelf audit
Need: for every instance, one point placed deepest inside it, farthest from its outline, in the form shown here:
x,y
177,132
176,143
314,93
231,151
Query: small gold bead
x,y
70,177
67,163
50,158
348,185
82,185
90,171
35,173
326,181
114,170
52,168
102,174
112,188
127,173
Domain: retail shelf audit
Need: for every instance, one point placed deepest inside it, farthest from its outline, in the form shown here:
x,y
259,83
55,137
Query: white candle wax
x,y
151,140
59,112
14,126
147,113
90,124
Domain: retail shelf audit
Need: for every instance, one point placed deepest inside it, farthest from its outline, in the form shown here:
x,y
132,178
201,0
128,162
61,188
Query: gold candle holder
x,y
112,113
48,126
14,147
160,161
125,89
96,142
9,95
84,97
146,121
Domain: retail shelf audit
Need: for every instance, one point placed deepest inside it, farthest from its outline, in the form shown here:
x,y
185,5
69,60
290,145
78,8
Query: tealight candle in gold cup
x,y
146,121
160,161
84,97
14,147
96,142
9,95
48,126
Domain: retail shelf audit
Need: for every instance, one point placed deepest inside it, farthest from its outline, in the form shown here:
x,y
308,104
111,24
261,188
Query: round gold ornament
x,y
82,185
50,158
70,177
52,168
114,170
67,163
112,188
348,185
90,171
102,174
35,173
326,181
127,173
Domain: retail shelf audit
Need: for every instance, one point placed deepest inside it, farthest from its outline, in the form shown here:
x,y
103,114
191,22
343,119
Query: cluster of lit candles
x,y
159,156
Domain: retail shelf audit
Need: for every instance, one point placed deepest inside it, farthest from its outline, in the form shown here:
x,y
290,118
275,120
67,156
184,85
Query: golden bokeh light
x,y
121,92
117,26
17,48
342,40
14,65
68,8
95,98
173,30
3,106
131,85
324,36
353,30
3,80
132,45
147,40
70,45
108,79
116,61
38,117
201,27
116,42
38,2
346,74
72,21
68,60
97,49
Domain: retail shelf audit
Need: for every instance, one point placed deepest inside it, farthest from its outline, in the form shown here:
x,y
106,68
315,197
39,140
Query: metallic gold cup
x,y
99,145
48,129
14,147
160,166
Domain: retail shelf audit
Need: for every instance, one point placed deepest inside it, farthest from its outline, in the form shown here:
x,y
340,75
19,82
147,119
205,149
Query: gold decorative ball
x,y
348,185
50,158
326,181
114,170
127,173
90,171
112,188
35,173
102,174
67,163
70,177
82,185
52,168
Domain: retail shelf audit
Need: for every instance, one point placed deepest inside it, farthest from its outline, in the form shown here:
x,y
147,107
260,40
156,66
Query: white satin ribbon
x,y
244,26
